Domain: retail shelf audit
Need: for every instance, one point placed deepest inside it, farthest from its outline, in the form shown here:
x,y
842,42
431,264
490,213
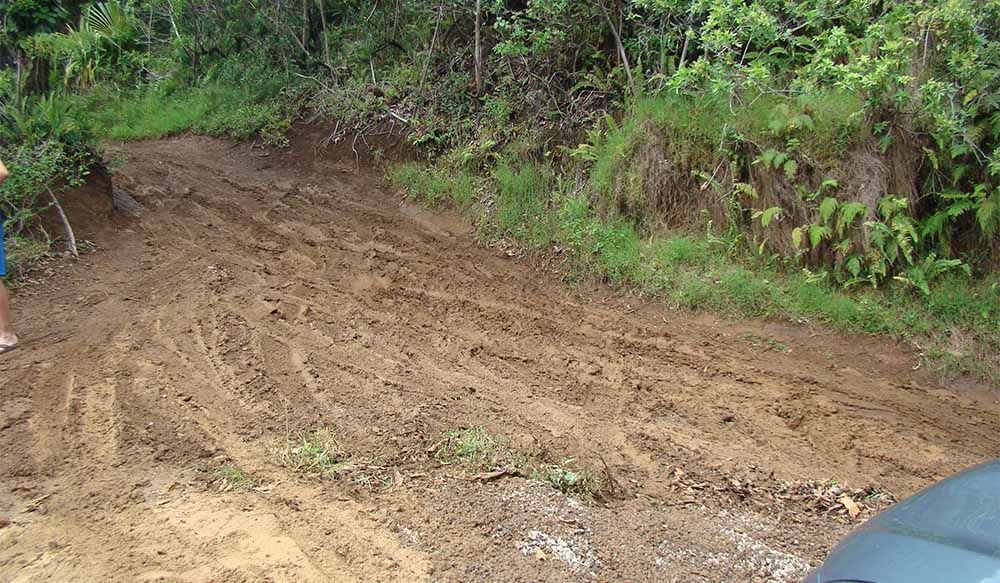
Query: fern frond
x,y
848,213
827,208
988,214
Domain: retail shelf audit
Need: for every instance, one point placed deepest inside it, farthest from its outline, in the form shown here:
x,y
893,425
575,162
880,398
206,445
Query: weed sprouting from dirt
x,y
230,478
317,453
475,446
569,478
763,343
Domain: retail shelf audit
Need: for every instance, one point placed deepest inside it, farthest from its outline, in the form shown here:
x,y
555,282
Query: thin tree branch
x,y
621,48
479,49
430,53
71,238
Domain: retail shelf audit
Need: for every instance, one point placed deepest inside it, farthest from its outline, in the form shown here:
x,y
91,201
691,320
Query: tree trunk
x,y
305,23
326,42
684,51
479,49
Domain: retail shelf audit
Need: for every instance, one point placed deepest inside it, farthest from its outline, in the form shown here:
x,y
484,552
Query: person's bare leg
x,y
7,336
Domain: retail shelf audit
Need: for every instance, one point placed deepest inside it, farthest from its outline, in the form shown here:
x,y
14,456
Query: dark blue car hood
x,y
948,533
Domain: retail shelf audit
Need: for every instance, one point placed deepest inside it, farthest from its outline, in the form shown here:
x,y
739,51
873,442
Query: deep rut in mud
x,y
266,294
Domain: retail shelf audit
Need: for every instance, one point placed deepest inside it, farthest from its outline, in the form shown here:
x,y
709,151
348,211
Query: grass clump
x,y
522,193
237,111
316,453
230,478
569,478
612,248
435,187
823,124
764,343
476,447
319,454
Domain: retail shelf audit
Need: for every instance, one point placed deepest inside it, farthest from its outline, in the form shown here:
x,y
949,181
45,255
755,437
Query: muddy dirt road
x,y
265,295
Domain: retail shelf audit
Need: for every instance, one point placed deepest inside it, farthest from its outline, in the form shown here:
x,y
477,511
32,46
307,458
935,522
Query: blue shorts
x,y
3,260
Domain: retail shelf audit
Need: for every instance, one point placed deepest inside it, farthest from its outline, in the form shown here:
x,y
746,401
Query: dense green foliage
x,y
850,144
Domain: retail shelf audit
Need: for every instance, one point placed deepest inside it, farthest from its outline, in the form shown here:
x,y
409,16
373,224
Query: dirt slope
x,y
263,294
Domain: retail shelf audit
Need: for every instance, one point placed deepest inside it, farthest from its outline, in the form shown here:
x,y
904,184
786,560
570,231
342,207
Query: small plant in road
x,y
569,478
316,453
230,478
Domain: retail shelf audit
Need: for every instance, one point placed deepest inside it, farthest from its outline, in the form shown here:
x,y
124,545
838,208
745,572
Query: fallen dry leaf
x,y
852,507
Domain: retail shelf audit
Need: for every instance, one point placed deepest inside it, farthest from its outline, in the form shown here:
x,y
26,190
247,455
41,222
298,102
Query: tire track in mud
x,y
256,300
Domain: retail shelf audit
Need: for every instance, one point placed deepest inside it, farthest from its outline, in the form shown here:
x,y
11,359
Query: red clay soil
x,y
266,294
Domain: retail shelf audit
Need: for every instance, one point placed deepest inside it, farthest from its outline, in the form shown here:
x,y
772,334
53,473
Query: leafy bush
x,y
47,148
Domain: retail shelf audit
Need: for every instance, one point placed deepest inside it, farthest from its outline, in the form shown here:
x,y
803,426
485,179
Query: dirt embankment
x,y
265,294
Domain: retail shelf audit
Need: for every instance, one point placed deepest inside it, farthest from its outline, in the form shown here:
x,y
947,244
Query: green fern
x,y
745,188
827,208
853,265
818,233
797,237
791,167
768,215
890,205
844,246
849,211
988,214
921,274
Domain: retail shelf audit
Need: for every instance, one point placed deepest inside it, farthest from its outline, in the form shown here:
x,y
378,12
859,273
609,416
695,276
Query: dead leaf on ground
x,y
853,510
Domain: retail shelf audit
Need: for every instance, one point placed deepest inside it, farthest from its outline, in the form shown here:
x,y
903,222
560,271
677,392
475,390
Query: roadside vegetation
x,y
956,324
496,457
833,163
